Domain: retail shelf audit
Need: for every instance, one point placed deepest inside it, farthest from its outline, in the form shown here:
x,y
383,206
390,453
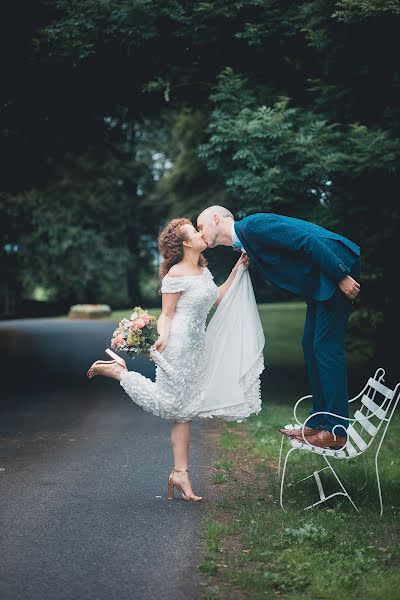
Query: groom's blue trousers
x,y
324,353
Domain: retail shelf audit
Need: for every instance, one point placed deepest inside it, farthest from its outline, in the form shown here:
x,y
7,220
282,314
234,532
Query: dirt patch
x,y
247,465
248,470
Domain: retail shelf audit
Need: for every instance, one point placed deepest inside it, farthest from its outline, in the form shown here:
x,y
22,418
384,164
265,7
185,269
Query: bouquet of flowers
x,y
135,335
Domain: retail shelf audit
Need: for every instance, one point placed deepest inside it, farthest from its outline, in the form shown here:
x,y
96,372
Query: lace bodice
x,y
199,297
179,398
185,369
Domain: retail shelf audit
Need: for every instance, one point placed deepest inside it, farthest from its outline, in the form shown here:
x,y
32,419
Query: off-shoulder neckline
x,y
184,276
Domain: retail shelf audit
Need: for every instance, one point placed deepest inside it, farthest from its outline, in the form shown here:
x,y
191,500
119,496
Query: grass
x,y
283,347
117,315
251,548
315,554
283,324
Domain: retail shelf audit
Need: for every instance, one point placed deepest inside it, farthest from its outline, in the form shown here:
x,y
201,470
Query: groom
x,y
324,268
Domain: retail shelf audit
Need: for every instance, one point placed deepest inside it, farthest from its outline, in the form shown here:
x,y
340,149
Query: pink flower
x,y
140,323
146,318
120,340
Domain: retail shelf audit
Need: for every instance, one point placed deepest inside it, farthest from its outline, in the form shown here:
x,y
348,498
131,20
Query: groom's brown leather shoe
x,y
325,439
298,433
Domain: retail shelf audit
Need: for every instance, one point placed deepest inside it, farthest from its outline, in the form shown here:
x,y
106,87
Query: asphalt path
x,y
83,472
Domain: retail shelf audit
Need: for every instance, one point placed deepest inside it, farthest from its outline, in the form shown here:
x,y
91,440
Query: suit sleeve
x,y
289,238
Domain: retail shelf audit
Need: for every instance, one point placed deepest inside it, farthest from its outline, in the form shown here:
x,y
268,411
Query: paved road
x,y
83,512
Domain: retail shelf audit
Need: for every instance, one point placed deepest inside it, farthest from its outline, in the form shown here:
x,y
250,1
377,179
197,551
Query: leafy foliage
x,y
260,105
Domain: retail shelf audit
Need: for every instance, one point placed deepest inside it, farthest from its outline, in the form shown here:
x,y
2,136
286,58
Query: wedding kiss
x,y
215,371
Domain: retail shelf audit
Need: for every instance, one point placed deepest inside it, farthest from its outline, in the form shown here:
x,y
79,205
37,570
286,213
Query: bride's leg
x,y
180,439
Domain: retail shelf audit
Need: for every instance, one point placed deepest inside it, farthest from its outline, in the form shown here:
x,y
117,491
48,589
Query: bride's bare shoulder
x,y
176,271
181,271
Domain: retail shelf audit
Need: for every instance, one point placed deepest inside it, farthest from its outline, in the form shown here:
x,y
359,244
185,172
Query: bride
x,y
199,372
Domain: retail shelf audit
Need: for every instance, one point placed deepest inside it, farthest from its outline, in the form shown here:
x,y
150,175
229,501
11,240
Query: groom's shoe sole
x,y
298,433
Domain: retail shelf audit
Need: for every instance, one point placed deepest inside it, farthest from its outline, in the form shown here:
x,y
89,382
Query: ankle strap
x,y
179,470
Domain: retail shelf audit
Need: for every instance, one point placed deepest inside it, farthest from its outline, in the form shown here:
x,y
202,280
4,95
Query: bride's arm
x,y
165,319
243,260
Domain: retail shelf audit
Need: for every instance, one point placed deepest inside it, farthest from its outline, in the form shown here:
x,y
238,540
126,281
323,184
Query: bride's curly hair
x,y
170,245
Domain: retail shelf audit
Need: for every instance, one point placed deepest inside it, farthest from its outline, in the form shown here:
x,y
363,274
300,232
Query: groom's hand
x,y
349,287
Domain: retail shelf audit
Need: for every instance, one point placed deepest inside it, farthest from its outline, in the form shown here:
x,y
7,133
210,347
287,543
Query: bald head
x,y
215,224
208,213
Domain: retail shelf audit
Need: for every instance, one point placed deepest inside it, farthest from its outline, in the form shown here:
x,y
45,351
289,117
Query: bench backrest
x,y
376,410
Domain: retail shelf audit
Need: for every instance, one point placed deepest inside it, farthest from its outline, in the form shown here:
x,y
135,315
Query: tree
x,y
84,235
290,160
311,87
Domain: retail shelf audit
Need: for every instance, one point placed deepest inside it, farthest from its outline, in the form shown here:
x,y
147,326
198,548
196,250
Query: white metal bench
x,y
369,423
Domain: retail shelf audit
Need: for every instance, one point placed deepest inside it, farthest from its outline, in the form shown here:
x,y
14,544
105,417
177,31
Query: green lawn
x,y
283,324
117,315
317,554
279,346
252,549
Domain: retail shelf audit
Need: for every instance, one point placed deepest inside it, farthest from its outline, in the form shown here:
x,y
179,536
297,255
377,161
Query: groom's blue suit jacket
x,y
298,256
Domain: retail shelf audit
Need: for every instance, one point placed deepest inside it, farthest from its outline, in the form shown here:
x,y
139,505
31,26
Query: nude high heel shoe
x,y
172,483
117,358
95,369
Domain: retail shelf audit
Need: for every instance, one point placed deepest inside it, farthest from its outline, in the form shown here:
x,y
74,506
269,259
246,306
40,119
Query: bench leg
x,y
280,456
378,481
283,476
315,474
344,492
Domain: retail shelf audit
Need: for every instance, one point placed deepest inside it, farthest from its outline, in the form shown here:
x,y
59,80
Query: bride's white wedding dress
x,y
206,373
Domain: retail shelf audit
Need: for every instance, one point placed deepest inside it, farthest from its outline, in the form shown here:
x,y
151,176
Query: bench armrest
x,y
296,405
